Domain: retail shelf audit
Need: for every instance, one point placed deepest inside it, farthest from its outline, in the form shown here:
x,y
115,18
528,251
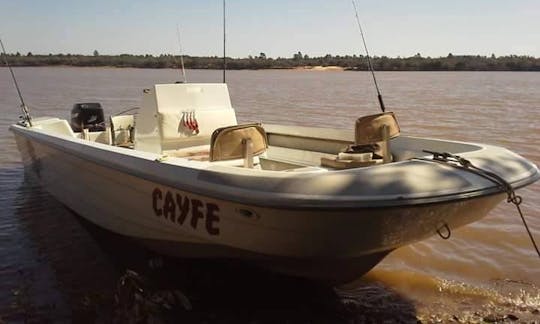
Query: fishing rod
x,y
26,114
224,52
379,96
181,54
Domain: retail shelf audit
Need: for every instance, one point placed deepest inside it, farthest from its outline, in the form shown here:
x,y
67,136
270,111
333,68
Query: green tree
x,y
96,53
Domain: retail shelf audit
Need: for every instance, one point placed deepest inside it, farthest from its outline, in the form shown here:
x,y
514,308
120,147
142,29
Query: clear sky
x,y
275,27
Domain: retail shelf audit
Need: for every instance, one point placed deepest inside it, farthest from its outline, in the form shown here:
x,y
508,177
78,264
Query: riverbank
x,y
323,63
320,68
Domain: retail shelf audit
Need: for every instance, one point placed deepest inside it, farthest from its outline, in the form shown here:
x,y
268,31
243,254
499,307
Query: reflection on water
x,y
56,267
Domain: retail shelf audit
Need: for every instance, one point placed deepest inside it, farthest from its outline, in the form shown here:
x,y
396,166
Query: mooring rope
x,y
464,164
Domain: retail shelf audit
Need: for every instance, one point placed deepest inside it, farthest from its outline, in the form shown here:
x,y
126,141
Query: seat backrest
x,y
229,143
121,128
369,129
377,130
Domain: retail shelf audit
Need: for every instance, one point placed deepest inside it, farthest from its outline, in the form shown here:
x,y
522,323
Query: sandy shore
x,y
320,68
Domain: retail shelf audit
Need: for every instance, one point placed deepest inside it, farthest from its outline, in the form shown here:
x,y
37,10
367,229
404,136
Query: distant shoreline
x,y
298,62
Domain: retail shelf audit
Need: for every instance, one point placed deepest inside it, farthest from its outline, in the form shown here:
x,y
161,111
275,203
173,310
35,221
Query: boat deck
x,y
290,148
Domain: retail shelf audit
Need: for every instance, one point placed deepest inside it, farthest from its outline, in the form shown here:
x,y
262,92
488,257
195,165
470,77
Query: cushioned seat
x,y
376,130
238,142
372,136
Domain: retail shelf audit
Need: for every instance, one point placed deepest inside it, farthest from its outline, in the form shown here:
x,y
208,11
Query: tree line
x,y
297,60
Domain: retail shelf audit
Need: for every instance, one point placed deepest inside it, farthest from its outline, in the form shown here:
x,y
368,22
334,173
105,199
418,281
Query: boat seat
x,y
237,145
372,136
369,129
244,142
122,130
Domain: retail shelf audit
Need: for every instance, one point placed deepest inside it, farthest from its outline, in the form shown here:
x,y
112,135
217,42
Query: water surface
x,y
53,268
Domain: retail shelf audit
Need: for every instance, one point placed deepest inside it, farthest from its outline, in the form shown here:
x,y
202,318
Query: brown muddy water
x,y
55,267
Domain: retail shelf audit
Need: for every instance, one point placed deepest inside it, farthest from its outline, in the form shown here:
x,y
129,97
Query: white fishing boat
x,y
183,178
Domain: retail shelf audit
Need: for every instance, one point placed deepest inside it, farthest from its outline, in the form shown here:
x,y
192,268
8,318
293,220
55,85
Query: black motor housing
x,y
87,115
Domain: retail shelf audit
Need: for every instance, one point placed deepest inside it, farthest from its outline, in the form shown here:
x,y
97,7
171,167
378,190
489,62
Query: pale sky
x,y
277,28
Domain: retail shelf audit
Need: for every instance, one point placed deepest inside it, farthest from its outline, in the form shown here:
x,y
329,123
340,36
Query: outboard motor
x,y
87,116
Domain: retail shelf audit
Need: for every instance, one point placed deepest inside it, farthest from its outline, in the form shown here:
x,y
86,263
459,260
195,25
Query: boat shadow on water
x,y
104,277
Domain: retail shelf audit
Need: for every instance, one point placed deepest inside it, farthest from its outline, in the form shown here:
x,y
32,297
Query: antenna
x,y
26,114
379,96
181,54
224,48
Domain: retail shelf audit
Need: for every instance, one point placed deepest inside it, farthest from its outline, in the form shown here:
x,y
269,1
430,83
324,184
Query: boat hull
x,y
333,244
